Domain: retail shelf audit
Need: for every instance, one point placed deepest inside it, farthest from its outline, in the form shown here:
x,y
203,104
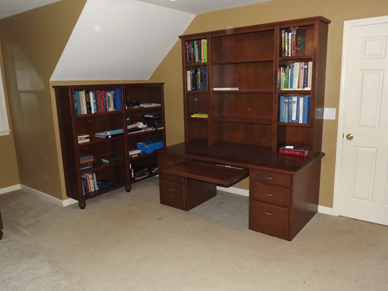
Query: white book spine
x,y
294,107
300,109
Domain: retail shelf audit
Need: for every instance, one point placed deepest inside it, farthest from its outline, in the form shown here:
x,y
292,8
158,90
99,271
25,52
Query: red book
x,y
293,31
300,151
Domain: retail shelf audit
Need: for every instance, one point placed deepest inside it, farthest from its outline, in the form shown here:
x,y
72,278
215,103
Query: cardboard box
x,y
148,146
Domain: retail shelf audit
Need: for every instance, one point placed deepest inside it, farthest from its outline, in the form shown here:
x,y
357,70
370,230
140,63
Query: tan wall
x,y
337,11
32,45
8,165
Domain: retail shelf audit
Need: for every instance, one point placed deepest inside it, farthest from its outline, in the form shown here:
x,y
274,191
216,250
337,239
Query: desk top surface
x,y
245,156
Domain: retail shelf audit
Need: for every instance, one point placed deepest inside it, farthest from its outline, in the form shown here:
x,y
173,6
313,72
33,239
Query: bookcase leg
x,y
1,234
128,188
82,204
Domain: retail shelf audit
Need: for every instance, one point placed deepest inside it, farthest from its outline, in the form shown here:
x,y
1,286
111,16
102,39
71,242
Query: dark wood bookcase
x,y
244,127
71,125
249,58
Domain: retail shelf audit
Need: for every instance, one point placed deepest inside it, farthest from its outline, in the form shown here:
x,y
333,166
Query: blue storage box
x,y
149,145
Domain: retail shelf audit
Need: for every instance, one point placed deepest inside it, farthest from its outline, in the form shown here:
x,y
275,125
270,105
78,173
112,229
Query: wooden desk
x,y
283,190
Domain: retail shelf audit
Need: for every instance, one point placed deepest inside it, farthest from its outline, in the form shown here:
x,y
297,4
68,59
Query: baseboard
x,y
326,210
10,189
242,192
49,198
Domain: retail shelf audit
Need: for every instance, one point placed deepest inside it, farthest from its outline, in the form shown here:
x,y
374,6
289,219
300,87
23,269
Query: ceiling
x,y
13,7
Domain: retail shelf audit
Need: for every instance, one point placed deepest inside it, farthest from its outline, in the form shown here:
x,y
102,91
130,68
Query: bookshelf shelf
x,y
81,184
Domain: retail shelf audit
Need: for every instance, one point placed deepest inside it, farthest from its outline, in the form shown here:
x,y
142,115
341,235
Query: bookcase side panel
x,y
65,112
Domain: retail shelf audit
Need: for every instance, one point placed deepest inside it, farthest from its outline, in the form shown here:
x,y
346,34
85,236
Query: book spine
x,y
286,99
310,74
188,80
196,52
294,109
300,106
117,99
82,101
293,41
281,109
188,52
78,102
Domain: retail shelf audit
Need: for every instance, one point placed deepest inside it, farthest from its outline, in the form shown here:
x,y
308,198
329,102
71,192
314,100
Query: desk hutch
x,y
242,130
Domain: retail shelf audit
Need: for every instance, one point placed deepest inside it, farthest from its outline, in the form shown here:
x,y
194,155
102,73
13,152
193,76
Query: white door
x,y
361,180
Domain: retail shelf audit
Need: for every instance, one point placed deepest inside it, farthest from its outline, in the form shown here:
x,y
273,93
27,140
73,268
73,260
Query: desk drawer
x,y
270,194
172,194
268,219
167,160
271,178
172,178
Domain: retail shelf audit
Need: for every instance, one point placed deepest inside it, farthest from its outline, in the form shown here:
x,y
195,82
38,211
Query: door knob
x,y
349,136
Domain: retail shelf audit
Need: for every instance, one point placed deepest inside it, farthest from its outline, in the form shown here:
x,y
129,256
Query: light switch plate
x,y
329,113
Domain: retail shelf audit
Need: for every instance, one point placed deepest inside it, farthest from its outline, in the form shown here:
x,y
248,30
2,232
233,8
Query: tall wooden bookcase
x,y
72,124
250,58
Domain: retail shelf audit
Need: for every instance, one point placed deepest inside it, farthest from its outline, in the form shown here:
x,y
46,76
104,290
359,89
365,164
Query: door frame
x,y
341,119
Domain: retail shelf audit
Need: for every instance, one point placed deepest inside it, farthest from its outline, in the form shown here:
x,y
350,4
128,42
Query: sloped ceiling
x,y
120,40
127,39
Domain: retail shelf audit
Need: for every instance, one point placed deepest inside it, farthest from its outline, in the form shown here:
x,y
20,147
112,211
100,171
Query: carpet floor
x,y
129,241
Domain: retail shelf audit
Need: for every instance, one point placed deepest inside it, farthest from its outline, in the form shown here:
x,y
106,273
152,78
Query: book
x,y
281,109
86,167
109,132
225,88
84,140
146,105
300,151
117,99
77,103
300,42
199,115
306,109
111,159
103,183
293,31
84,157
82,98
294,115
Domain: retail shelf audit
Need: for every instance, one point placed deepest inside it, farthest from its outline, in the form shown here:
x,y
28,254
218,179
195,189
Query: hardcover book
x,y
300,151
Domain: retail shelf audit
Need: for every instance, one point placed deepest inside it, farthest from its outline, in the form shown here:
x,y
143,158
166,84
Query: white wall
x,y
120,40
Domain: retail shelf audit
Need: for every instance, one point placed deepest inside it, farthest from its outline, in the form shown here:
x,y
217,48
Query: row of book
x,y
97,101
293,42
294,109
91,184
296,76
197,79
196,51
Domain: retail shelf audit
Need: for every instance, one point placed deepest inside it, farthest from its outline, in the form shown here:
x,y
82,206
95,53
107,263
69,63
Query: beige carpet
x,y
128,241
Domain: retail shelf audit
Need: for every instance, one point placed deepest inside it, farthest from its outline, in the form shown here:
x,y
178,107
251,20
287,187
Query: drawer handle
x,y
169,163
268,194
171,189
267,213
268,178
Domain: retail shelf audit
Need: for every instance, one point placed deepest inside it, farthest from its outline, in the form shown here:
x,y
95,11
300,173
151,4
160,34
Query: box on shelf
x,y
148,146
